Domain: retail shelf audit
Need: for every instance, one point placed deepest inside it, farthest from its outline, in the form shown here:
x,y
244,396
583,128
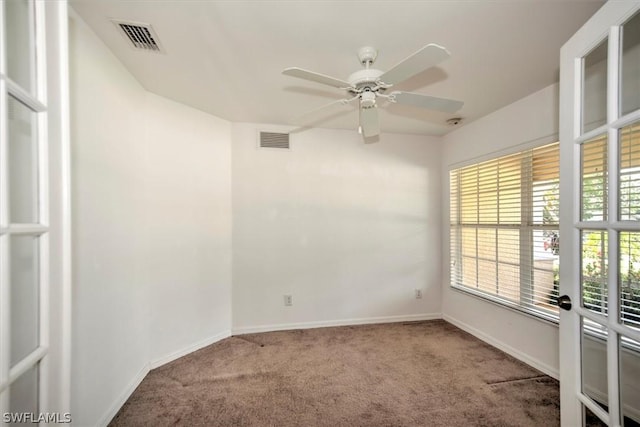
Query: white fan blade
x,y
315,77
426,57
369,122
426,101
310,113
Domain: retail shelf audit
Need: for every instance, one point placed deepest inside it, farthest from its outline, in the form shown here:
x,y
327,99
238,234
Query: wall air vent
x,y
274,140
140,36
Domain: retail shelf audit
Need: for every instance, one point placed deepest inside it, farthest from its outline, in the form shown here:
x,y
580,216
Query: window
x,y
504,229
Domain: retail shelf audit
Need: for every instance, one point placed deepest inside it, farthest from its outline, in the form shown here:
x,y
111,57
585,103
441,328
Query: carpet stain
x,y
518,379
248,339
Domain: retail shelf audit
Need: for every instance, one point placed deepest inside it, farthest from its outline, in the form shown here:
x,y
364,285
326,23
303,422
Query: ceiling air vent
x,y
141,36
274,140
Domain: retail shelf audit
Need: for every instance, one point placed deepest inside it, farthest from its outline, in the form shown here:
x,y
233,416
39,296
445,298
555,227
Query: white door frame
x,y
57,18
605,24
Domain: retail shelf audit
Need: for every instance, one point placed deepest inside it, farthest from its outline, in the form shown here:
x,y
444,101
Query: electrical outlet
x,y
288,300
418,293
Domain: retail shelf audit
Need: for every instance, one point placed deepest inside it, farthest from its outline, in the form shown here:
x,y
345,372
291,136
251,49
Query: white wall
x,y
151,233
348,229
533,118
110,315
187,225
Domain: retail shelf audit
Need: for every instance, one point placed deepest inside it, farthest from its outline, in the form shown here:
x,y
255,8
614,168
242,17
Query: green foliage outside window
x,y
594,269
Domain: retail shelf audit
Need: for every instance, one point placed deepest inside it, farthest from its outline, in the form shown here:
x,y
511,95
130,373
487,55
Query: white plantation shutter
x,y
504,228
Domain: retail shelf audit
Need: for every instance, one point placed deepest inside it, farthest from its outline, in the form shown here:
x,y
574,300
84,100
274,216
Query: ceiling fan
x,y
369,85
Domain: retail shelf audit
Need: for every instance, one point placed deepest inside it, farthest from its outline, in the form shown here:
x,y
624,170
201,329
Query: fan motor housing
x,y
361,77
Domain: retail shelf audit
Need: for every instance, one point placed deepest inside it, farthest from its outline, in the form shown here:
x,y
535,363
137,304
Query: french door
x,y
600,219
33,341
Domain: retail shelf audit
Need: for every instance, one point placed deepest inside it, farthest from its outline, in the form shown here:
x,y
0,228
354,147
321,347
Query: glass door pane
x,y
23,393
594,271
629,384
24,290
594,100
594,362
629,173
20,46
630,279
23,163
591,419
594,178
630,67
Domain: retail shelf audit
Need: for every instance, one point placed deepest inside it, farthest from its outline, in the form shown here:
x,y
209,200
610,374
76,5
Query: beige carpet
x,y
413,374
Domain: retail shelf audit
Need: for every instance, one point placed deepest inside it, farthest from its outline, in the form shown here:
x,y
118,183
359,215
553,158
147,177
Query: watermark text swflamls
x,y
30,417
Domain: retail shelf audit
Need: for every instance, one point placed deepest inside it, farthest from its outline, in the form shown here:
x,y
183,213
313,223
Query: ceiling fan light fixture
x,y
368,99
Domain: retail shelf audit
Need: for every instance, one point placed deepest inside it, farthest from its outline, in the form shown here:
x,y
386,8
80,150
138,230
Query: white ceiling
x,y
226,57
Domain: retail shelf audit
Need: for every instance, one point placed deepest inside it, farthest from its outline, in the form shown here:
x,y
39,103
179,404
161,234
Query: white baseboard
x,y
128,391
329,323
541,366
190,349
